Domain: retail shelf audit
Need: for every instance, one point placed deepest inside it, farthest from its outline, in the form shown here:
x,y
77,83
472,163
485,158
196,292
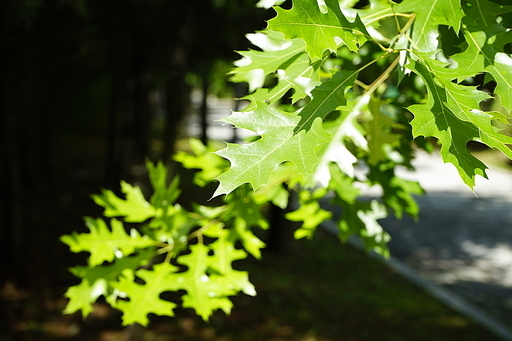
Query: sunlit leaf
x,y
252,163
103,244
135,208
321,31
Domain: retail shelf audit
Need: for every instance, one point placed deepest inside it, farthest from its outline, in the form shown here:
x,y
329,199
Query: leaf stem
x,y
394,14
403,31
361,84
166,249
199,232
168,257
382,78
398,28
388,52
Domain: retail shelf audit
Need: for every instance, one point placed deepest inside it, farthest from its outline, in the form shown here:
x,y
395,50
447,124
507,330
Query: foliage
x,y
127,268
329,84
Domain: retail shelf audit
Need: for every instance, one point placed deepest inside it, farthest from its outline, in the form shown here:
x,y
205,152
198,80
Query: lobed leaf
x,y
309,213
397,193
380,137
205,294
103,244
97,281
164,195
429,15
144,298
321,31
358,218
203,159
255,65
297,74
254,162
134,208
481,56
345,127
452,114
326,98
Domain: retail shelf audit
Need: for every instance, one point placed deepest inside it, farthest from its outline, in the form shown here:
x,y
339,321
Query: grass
x,y
319,290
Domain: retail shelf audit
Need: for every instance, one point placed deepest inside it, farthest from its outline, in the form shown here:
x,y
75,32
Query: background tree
x,y
87,89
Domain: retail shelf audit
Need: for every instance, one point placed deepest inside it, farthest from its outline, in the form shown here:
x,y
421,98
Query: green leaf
x,y
275,191
145,298
205,294
397,193
241,205
204,159
110,272
298,75
244,213
164,195
452,115
97,281
333,121
320,31
379,133
309,212
255,65
481,56
249,241
134,208
358,218
82,296
429,15
103,244
253,163
224,254
345,127
172,228
326,98
484,13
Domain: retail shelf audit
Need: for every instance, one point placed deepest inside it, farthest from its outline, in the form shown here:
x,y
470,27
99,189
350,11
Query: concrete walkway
x,y
462,242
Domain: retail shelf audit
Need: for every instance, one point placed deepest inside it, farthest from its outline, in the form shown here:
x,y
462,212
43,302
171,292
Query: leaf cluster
x,y
145,248
339,98
367,88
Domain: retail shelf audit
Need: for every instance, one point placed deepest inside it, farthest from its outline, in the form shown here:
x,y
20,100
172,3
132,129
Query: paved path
x,y
462,242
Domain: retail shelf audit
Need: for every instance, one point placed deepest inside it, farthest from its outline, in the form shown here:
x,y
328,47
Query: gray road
x,y
462,241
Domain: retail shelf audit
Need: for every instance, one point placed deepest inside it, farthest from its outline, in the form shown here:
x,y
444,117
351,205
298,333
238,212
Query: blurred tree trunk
x,y
204,111
280,236
112,162
141,112
178,91
11,213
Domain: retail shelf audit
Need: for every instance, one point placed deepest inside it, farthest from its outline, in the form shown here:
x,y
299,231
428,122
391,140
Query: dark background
x,y
89,89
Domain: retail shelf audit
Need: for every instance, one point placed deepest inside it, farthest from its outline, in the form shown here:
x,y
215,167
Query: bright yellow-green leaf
x,y
379,133
145,298
255,65
103,244
134,208
205,293
309,213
